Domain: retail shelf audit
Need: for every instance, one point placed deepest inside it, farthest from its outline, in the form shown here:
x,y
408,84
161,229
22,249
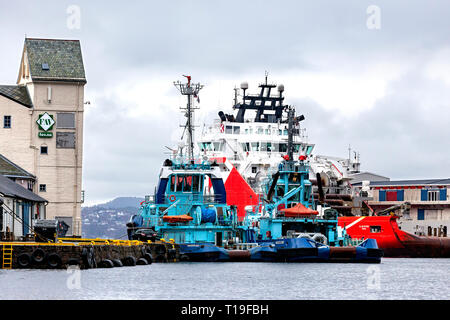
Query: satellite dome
x,y
244,85
281,88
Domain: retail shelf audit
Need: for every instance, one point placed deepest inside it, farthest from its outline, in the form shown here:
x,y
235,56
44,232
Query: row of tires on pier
x,y
87,257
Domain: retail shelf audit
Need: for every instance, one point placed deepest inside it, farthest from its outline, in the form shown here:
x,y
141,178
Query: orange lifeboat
x,y
298,210
175,219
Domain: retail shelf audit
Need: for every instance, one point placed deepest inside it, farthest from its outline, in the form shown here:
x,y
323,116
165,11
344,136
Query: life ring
x,y
172,198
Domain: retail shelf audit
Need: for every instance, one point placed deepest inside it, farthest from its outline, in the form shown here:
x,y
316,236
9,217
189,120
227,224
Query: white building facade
x,y
42,124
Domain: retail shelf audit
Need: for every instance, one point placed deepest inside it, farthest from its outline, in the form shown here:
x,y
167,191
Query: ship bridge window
x,y
179,187
218,146
196,183
267,131
260,130
296,147
255,146
245,146
172,183
283,147
206,146
228,129
187,183
263,146
269,146
285,132
236,129
308,150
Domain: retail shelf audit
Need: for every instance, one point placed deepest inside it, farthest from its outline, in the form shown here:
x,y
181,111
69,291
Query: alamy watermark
x,y
373,283
74,279
73,20
373,21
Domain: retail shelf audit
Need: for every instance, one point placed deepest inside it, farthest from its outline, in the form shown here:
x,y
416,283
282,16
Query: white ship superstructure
x,y
255,137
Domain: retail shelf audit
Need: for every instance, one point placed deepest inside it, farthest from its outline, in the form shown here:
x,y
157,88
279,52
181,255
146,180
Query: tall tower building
x,y
42,124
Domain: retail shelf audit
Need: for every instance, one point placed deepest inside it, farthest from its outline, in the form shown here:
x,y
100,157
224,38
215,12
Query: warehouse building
x,y
42,124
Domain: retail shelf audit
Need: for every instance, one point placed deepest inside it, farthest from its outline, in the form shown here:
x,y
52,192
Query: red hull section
x,y
394,241
239,193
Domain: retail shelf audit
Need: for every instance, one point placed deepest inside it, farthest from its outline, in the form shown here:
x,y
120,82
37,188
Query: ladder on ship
x,y
7,251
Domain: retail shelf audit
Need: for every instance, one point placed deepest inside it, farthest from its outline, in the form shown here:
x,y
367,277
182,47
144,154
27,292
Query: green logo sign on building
x,y
45,123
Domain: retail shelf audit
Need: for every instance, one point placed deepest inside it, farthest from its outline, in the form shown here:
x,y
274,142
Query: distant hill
x,y
107,220
122,202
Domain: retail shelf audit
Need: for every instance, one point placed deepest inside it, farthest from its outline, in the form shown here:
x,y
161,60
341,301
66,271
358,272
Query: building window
x,y
42,188
65,140
44,150
375,229
65,120
7,122
433,195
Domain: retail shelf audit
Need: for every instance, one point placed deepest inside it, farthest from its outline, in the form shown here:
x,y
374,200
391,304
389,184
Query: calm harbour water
x,y
392,279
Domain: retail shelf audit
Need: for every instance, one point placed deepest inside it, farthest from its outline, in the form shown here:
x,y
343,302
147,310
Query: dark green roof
x,y
63,58
12,170
18,94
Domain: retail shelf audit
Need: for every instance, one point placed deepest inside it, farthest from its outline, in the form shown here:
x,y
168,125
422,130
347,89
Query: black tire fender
x,y
117,263
54,260
129,261
86,256
149,258
142,262
38,255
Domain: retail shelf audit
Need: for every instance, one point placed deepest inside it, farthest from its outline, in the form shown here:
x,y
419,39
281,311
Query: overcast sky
x,y
385,91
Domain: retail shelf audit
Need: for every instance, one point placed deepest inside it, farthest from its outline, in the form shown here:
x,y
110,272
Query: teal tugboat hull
x,y
306,250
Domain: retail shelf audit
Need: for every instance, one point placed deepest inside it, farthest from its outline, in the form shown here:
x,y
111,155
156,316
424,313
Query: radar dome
x,y
244,85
